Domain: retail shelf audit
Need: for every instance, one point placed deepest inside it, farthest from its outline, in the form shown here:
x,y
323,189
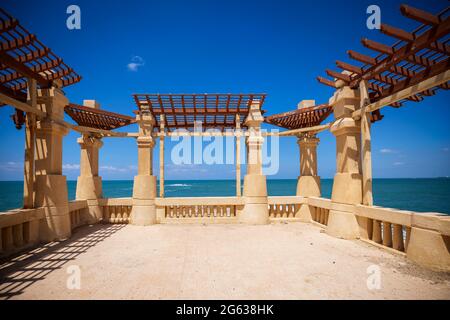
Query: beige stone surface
x,y
275,261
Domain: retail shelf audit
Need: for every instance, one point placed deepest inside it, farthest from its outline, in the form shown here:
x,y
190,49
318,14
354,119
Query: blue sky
x,y
276,47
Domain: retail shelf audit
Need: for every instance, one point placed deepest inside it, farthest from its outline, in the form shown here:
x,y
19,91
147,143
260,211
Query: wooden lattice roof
x,y
212,110
96,118
300,118
23,56
415,57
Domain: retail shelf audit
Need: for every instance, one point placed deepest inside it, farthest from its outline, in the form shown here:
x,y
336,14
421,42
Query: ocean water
x,y
422,195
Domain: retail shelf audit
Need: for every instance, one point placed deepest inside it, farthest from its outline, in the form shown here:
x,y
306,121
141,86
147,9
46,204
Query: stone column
x,y
89,184
51,186
347,184
255,210
144,187
308,183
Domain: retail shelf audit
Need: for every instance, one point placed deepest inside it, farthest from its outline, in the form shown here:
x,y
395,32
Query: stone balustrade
x,y
285,207
117,210
78,211
19,229
320,210
202,210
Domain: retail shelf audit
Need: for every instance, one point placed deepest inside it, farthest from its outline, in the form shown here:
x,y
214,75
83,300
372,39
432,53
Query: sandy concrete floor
x,y
277,261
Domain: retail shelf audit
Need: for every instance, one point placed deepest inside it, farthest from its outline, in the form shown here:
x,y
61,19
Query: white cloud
x,y
445,149
386,150
110,168
136,62
398,163
70,166
11,166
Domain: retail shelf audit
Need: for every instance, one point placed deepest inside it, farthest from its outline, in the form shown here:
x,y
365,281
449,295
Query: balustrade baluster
x,y
376,232
387,234
397,241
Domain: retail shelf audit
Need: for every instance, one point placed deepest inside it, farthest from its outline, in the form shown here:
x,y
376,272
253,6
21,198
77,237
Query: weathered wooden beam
x,y
326,82
406,52
20,105
396,32
419,15
429,83
349,67
338,75
14,64
315,129
361,57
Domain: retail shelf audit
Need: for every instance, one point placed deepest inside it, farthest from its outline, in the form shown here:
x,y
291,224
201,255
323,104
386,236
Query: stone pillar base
x,y
143,212
429,249
94,212
255,209
51,194
347,188
342,225
308,186
160,214
304,213
56,225
89,187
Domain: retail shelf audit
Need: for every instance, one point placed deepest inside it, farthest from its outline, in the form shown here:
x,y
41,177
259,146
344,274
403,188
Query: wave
x,y
179,185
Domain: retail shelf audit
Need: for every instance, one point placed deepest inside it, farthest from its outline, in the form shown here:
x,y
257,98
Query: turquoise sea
x,y
423,195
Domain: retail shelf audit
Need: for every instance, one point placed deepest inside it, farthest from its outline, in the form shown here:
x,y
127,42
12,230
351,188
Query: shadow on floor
x,y
22,270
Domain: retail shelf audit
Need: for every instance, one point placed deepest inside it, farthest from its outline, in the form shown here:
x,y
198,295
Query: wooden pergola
x,y
300,118
197,112
415,66
95,118
416,56
23,59
27,65
187,110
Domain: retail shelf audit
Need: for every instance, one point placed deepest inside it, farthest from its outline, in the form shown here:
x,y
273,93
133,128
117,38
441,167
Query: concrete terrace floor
x,y
276,261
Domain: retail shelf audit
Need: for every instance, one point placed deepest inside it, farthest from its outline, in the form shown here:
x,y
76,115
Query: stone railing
x,y
285,207
77,212
391,228
196,209
117,210
320,210
423,237
19,229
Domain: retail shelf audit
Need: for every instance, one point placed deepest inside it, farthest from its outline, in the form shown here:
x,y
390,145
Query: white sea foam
x,y
178,185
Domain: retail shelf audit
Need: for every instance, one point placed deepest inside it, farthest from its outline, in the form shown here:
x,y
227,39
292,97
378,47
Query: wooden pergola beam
x,y
396,33
419,15
6,99
427,84
326,82
315,129
26,72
